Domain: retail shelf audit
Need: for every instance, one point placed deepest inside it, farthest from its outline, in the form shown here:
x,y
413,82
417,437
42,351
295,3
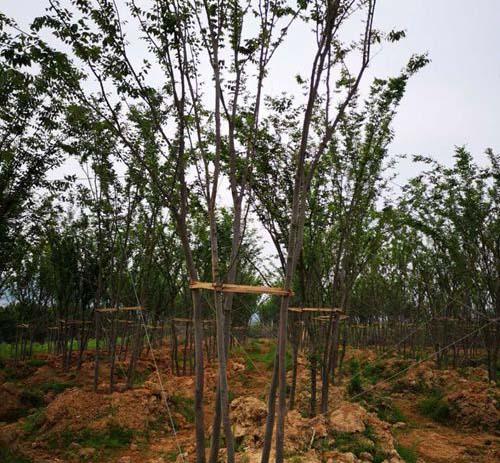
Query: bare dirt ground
x,y
50,416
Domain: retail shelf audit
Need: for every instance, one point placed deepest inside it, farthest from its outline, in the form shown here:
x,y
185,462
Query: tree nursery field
x,y
229,231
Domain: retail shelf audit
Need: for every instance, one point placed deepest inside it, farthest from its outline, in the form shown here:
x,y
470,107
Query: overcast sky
x,y
455,100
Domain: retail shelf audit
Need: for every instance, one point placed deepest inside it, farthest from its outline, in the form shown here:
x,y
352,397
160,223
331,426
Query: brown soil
x,y
142,410
436,443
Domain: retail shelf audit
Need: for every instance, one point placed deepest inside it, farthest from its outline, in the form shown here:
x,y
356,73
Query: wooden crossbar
x,y
315,309
242,289
327,317
120,309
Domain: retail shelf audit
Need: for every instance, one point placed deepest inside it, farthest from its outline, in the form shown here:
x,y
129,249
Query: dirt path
x,y
436,443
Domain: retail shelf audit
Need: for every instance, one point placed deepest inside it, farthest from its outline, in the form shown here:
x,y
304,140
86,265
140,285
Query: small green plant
x,y
435,407
32,398
55,386
373,372
387,411
353,366
9,456
113,437
359,443
184,406
355,385
34,421
408,454
249,365
36,363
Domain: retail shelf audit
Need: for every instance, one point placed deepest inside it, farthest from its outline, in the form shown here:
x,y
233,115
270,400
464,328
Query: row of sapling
x,y
191,131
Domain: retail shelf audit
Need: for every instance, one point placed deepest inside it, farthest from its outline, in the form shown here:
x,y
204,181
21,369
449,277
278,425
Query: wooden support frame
x,y
241,289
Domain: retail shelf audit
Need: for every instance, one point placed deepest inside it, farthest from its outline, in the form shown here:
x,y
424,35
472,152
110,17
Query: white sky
x,y
455,100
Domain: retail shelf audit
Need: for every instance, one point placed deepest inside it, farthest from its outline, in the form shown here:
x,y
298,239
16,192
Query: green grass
x,y
253,355
36,363
34,421
9,456
140,377
358,443
7,350
184,406
32,398
55,386
408,454
373,372
387,411
113,437
355,385
435,407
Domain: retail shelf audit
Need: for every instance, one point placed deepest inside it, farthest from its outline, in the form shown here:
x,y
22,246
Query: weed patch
x,y
435,407
408,454
9,456
55,386
184,406
34,421
355,385
36,363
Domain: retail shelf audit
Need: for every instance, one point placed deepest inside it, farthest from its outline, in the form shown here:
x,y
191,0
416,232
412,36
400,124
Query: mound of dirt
x,y
348,417
302,432
354,419
75,409
249,416
475,406
10,403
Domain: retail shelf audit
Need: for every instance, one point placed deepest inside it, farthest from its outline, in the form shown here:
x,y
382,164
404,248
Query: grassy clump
x,y
408,454
267,358
55,386
9,456
355,385
435,407
36,363
184,406
359,443
112,437
34,421
388,411
373,372
32,398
